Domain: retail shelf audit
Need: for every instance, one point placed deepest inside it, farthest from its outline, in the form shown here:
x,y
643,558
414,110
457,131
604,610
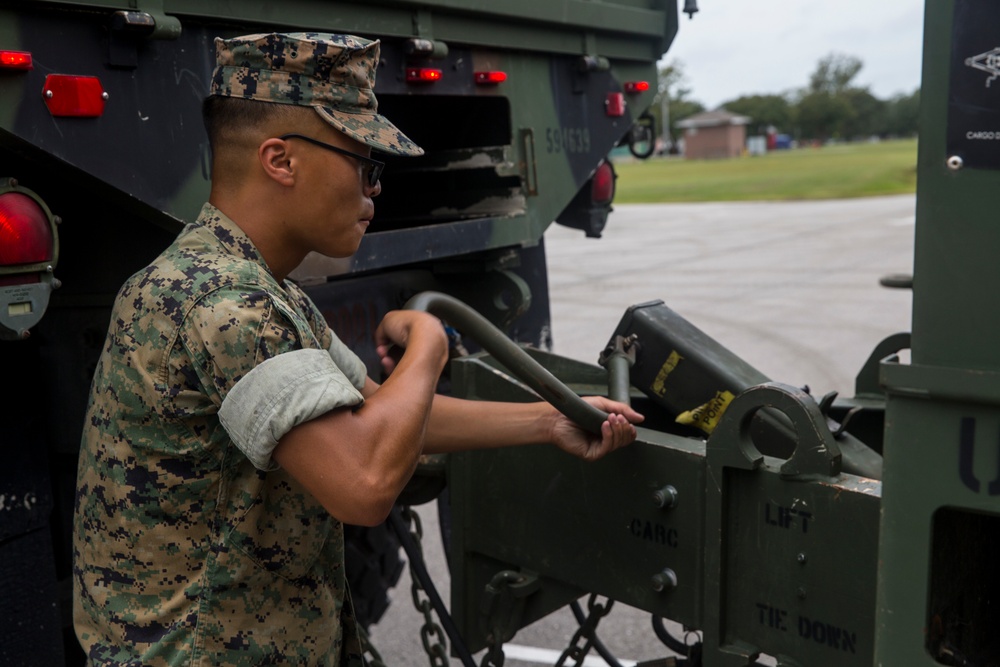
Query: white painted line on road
x,y
546,656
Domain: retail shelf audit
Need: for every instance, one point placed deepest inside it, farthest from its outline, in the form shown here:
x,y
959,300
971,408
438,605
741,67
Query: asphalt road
x,y
793,288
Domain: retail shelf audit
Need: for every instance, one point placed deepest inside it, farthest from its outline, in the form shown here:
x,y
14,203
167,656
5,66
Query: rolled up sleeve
x,y
285,391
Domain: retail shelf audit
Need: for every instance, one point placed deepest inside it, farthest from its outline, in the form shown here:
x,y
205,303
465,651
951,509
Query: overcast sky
x,y
740,47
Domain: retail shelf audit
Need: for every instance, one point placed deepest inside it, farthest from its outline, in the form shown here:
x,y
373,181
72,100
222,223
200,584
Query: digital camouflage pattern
x,y
184,553
334,74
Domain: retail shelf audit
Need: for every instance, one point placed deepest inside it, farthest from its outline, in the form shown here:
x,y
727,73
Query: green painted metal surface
x,y
502,162
938,591
765,555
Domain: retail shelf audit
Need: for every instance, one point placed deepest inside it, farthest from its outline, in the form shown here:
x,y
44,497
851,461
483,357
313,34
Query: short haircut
x,y
232,117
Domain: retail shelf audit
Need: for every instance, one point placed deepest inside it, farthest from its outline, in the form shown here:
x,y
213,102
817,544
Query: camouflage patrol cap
x,y
334,74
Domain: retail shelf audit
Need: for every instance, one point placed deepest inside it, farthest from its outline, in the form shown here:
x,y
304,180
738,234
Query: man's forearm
x,y
456,424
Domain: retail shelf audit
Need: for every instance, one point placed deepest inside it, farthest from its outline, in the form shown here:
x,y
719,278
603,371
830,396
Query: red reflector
x,y
422,74
77,96
614,105
602,186
636,86
25,233
490,78
15,60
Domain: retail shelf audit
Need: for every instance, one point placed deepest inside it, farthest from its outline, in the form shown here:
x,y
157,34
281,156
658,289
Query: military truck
x,y
103,158
856,559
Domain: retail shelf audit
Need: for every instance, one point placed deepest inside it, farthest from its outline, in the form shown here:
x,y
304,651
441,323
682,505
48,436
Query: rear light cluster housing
x,y
29,251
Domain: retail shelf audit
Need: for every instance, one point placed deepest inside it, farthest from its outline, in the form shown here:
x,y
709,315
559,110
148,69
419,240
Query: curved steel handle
x,y
516,360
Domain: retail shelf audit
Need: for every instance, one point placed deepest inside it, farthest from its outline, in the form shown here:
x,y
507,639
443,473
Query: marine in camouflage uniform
x,y
175,525
229,431
189,549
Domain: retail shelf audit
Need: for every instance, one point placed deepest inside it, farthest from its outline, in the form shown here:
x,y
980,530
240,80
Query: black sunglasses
x,y
373,167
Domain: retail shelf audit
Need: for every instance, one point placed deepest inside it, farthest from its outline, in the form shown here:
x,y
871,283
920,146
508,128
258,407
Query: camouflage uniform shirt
x,y
185,552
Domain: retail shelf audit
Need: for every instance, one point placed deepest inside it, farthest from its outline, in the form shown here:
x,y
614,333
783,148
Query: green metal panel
x,y
939,541
765,555
579,526
635,30
559,131
955,266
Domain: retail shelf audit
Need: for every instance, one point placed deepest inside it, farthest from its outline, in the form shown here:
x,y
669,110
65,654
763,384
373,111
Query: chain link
x,y
370,655
577,651
431,634
494,656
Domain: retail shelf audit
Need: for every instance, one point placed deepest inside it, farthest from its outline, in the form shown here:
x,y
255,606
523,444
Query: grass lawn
x,y
829,172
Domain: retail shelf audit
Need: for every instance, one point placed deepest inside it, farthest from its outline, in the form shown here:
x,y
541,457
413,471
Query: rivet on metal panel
x,y
955,163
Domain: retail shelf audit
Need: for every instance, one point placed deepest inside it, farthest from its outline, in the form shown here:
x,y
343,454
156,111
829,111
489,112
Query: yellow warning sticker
x,y
659,384
706,417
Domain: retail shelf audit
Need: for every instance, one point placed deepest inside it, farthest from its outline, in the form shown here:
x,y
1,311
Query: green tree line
x,y
830,106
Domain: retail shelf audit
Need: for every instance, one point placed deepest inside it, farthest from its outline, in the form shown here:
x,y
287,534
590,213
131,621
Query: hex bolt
x,y
801,558
666,497
664,580
955,163
105,96
48,94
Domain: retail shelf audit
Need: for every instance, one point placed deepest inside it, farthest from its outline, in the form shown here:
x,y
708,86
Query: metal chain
x,y
575,650
431,634
494,656
370,655
499,585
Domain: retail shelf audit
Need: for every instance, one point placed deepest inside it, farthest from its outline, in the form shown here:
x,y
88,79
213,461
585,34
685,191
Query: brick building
x,y
714,134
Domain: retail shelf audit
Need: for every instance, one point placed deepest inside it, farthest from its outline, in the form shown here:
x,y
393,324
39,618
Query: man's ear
x,y
276,160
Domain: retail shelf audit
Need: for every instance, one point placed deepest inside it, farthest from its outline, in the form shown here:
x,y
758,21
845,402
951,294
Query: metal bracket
x,y
619,357
816,455
147,19
129,28
867,381
502,607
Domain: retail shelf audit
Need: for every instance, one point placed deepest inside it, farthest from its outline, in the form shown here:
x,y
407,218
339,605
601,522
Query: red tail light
x,y
20,60
25,231
490,78
422,74
602,186
636,86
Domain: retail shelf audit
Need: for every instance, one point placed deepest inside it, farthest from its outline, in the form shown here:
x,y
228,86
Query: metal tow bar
x,y
508,353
